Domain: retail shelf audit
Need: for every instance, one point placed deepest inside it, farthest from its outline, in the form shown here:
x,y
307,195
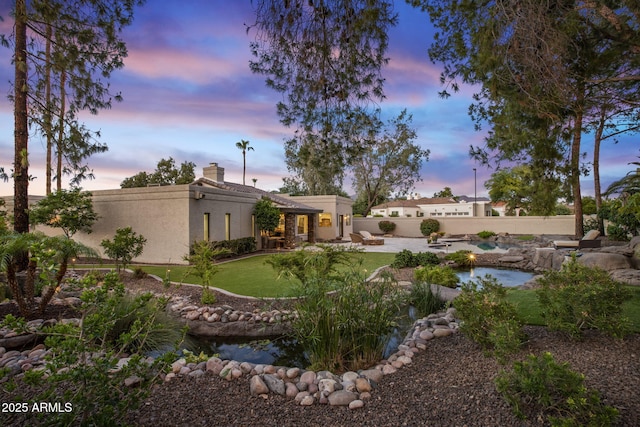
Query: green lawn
x,y
528,307
253,276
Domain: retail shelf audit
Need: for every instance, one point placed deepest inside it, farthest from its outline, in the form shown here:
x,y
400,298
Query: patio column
x,y
289,230
311,228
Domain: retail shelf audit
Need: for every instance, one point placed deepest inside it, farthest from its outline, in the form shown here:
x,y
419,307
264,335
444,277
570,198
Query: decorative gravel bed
x,y
449,384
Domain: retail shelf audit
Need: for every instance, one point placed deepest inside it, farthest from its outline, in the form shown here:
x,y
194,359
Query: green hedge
x,y
244,245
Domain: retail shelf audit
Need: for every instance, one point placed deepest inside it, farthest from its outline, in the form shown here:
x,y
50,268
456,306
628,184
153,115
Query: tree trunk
x,y
60,149
21,158
596,169
48,109
575,171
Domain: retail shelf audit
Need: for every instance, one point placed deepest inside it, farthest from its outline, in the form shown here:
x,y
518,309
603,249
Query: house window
x,y
227,226
347,220
394,213
206,226
324,220
302,224
279,231
253,226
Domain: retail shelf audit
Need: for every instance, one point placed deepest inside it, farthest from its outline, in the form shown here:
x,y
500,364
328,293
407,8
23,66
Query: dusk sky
x,y
189,94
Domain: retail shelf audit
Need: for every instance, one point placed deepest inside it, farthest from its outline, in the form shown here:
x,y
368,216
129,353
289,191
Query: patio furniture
x,y
369,239
356,238
588,241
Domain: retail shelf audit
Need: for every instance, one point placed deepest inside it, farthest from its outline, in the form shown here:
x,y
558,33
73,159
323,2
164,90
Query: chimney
x,y
214,172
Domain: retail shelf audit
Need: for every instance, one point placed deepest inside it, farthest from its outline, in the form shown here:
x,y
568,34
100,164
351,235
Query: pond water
x,y
283,351
506,277
490,246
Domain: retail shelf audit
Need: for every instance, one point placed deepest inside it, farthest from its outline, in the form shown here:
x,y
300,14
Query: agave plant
x,y
48,259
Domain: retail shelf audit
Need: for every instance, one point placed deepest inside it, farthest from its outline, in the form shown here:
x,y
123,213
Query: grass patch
x,y
528,307
253,276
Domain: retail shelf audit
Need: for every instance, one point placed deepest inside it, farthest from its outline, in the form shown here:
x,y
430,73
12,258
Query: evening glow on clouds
x,y
189,94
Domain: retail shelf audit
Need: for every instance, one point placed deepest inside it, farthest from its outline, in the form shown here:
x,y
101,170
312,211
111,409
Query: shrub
x,y
425,301
48,259
487,317
125,246
580,297
438,275
539,385
364,311
486,234
617,232
244,245
462,257
387,226
428,226
82,369
406,258
301,265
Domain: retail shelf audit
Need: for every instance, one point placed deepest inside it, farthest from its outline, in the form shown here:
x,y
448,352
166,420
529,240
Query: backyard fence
x,y
537,225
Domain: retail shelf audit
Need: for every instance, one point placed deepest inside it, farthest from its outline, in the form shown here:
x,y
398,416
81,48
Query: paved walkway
x,y
417,244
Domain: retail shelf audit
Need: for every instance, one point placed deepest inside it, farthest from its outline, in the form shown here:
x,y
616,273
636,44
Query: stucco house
x,y
435,207
172,217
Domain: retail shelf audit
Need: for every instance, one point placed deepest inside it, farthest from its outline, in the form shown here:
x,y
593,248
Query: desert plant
x,y
125,246
48,259
82,369
580,297
303,264
487,317
539,387
462,257
428,226
437,275
387,226
485,234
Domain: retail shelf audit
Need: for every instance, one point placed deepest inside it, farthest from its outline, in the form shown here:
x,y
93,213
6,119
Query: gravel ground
x,y
451,384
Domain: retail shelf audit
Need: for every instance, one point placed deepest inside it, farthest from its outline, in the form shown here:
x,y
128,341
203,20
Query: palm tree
x,y
629,184
244,146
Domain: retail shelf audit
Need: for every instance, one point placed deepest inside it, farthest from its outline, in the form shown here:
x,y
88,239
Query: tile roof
x,y
283,203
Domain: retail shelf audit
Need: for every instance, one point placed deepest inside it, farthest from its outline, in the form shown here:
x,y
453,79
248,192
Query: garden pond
x,y
285,351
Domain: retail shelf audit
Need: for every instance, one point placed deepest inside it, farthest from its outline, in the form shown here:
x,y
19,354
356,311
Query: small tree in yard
x,y
202,258
71,211
125,246
267,215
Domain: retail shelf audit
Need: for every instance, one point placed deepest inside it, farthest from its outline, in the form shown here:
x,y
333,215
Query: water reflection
x,y
506,277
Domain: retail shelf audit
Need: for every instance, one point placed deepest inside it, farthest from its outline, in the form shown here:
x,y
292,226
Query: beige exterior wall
x,y
537,225
333,208
169,217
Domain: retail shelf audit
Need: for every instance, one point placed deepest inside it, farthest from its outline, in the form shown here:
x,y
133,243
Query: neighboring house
x,y
173,217
434,207
398,208
500,207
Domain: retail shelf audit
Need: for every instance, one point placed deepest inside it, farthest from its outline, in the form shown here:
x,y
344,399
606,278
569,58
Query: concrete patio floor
x,y
417,244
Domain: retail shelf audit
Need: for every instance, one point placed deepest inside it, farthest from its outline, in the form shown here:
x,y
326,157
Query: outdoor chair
x,y
356,238
590,240
369,239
